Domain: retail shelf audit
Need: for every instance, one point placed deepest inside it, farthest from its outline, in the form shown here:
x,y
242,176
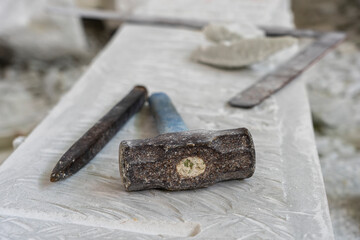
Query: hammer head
x,y
187,160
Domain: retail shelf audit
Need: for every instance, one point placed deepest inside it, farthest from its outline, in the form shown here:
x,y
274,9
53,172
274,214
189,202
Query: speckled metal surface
x,y
152,163
85,149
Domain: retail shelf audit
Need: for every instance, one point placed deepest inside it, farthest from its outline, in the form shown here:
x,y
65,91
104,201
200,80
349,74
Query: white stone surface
x,y
285,199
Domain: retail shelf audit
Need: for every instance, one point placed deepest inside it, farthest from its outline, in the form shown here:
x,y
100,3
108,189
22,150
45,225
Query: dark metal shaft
x,y
85,149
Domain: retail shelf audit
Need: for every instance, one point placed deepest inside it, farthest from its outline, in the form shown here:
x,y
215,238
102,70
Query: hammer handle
x,y
167,118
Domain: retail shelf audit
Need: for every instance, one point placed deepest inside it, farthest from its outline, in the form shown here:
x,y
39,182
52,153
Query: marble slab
x,y
285,199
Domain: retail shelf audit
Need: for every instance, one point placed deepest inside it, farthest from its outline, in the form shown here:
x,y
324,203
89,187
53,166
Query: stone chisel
x,y
85,149
178,159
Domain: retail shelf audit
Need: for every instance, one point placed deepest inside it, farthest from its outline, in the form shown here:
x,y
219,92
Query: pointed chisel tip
x,y
54,177
94,139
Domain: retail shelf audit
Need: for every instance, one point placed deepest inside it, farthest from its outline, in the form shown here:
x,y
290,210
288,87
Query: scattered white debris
x,y
28,89
18,141
19,111
334,92
236,45
242,52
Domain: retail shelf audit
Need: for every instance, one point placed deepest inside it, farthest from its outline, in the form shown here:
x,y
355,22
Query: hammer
x,y
179,159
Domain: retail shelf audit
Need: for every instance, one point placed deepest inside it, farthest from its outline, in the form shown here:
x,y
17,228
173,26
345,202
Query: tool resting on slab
x,y
178,159
86,147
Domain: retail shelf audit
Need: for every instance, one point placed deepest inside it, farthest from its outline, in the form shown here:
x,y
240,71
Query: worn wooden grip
x,y
187,160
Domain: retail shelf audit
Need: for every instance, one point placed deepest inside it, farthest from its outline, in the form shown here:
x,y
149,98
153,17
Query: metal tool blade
x,y
284,74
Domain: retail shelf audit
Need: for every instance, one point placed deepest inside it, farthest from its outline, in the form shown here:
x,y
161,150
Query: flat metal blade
x,y
284,74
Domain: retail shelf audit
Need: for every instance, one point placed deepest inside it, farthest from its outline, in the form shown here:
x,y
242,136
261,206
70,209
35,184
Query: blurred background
x,y
43,53
334,94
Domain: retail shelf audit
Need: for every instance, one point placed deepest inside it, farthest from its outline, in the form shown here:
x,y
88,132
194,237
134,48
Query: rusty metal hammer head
x,y
184,159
